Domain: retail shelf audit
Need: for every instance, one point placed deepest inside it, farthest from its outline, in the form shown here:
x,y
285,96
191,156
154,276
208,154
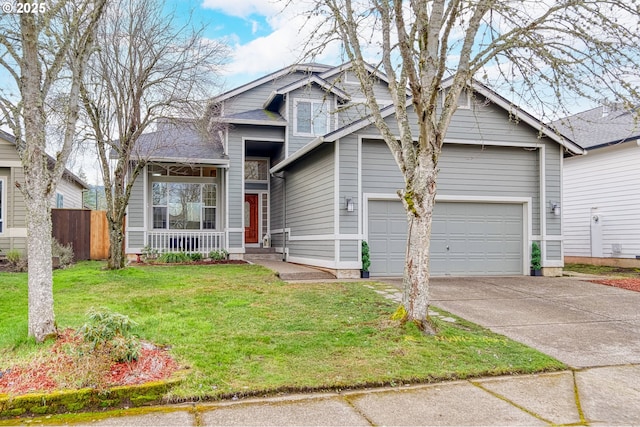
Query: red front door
x,y
251,218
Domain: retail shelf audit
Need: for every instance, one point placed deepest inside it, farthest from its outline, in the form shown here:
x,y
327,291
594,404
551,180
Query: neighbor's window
x,y
183,206
256,170
311,118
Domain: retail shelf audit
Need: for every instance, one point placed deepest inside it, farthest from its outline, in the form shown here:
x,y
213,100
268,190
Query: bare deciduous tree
x,y
147,69
46,54
546,52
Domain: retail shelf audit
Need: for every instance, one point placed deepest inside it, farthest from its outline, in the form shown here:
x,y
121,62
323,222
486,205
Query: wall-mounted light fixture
x,y
349,204
555,208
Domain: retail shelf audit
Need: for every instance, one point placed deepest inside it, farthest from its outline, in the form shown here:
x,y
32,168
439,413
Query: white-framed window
x,y
59,200
3,204
311,117
256,170
184,206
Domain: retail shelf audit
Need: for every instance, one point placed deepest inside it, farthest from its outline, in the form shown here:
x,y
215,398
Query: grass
x,y
603,270
242,331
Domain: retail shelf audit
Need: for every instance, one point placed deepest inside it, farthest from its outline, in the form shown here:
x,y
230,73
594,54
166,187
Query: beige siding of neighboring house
x,y
71,193
14,231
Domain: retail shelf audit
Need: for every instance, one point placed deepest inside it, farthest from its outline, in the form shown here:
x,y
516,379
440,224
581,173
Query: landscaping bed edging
x,y
87,399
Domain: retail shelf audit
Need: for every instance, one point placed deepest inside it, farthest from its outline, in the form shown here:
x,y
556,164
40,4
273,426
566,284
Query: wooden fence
x,y
85,229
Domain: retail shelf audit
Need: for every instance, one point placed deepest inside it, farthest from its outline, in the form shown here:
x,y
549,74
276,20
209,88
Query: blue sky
x,y
262,34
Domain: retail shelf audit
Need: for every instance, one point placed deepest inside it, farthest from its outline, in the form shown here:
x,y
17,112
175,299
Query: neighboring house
x,y
301,168
13,217
601,205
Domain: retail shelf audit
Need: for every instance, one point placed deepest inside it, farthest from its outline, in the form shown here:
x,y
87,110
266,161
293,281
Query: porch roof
x,y
181,142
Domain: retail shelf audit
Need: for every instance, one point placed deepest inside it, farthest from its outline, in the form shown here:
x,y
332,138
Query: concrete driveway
x,y
582,324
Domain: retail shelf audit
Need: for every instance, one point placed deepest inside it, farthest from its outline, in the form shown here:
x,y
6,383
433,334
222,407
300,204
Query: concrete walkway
x,y
593,328
605,396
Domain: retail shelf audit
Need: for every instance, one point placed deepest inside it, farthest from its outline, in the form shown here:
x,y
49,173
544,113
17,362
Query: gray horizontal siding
x,y
136,211
310,194
348,185
136,239
486,121
554,250
323,250
255,98
553,188
349,250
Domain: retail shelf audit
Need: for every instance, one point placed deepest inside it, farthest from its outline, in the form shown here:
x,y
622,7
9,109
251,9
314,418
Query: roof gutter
x,y
298,154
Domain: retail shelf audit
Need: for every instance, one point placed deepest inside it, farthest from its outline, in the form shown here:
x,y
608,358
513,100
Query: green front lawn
x,y
241,330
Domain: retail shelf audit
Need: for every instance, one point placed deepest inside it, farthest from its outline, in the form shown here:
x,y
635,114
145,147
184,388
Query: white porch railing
x,y
186,241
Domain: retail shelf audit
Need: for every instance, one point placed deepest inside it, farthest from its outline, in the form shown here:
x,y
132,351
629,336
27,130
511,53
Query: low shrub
x,y
14,257
174,257
110,333
196,256
63,252
219,255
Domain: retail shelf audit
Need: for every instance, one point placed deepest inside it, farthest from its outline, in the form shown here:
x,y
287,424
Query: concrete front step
x,y
267,256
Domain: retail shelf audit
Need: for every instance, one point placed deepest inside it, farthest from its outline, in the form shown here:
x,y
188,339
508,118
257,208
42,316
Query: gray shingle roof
x,y
182,142
594,128
256,115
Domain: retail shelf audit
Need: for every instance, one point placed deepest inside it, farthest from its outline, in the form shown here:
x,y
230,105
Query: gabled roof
x,y
66,174
390,109
601,126
306,82
310,68
181,142
523,116
347,65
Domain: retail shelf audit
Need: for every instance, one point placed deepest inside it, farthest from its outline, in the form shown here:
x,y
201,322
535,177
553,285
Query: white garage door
x,y
467,238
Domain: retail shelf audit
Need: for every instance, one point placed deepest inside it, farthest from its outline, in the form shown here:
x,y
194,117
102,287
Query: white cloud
x,y
243,8
284,46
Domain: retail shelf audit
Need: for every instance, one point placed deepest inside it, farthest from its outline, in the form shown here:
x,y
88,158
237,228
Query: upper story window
x,y
59,200
256,170
311,118
2,205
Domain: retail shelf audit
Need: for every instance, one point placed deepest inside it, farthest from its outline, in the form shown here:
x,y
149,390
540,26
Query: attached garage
x,y
468,238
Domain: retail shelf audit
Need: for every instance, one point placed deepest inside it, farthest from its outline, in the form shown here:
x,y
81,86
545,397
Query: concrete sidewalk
x,y
598,396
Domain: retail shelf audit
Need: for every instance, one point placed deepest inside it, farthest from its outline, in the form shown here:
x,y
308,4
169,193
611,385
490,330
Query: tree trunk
x,y
419,200
41,315
116,238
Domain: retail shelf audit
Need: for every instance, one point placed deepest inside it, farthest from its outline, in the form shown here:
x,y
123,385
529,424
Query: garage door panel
x,y
467,238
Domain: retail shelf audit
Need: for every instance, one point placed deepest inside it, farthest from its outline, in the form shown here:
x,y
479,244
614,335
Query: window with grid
x,y
184,206
312,118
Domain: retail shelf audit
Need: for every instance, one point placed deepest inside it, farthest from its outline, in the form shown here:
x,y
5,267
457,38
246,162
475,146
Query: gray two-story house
x,y
299,167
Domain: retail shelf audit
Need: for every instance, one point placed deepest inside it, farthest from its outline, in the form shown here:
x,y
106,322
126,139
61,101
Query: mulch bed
x,y
59,369
202,262
632,284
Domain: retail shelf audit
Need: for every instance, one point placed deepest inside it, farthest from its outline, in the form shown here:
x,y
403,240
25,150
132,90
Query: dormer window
x,y
311,118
